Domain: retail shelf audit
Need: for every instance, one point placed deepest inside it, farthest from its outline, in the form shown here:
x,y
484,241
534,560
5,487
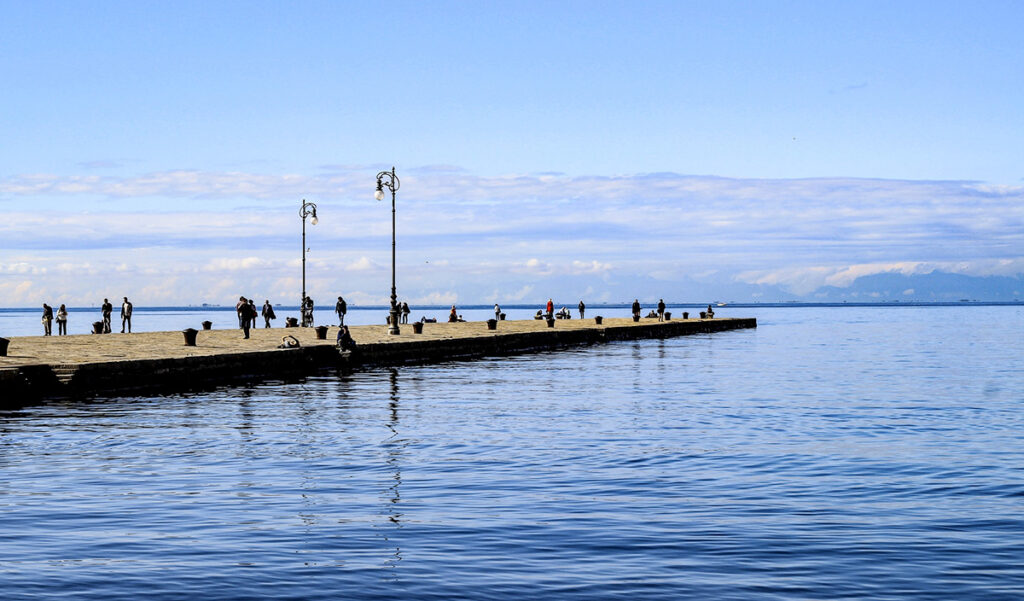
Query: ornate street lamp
x,y
390,180
308,209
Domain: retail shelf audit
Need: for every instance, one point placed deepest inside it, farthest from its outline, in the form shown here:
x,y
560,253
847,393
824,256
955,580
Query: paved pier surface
x,y
40,367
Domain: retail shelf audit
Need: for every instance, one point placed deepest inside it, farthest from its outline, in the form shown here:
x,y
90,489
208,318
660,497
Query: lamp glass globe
x,y
379,194
314,221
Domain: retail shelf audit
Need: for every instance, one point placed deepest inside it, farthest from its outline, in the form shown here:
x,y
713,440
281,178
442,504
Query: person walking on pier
x,y
126,315
405,312
47,319
107,309
582,308
62,321
268,312
636,308
341,308
661,309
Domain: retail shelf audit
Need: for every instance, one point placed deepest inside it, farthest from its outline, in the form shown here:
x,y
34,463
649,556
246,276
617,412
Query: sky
x,y
694,151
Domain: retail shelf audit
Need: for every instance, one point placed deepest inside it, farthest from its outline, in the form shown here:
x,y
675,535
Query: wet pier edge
x,y
38,367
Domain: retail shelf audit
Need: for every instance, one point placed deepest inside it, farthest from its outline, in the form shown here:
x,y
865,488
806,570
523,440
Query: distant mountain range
x,y
936,286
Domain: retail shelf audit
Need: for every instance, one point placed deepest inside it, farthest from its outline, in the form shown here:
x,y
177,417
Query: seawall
x,y
157,362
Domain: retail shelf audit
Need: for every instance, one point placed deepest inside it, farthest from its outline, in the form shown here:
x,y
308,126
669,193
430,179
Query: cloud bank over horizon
x,y
193,236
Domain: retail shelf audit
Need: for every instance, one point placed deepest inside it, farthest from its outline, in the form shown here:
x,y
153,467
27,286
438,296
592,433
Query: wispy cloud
x,y
510,233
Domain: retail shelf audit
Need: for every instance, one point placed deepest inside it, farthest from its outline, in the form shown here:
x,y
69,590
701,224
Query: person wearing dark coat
x,y
636,308
126,315
47,319
107,309
246,313
268,312
661,309
345,341
341,308
582,308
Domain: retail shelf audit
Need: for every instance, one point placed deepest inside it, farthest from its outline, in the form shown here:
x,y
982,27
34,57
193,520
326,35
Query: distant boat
x,y
719,304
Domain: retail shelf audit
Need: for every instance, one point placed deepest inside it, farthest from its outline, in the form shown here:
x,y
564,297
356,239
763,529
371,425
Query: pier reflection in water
x,y
829,453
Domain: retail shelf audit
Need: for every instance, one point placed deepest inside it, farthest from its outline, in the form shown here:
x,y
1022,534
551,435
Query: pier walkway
x,y
38,367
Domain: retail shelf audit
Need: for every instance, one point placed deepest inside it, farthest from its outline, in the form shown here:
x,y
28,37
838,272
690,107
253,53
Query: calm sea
x,y
860,453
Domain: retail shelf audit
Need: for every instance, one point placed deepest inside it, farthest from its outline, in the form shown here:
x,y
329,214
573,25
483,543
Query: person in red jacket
x,y
550,309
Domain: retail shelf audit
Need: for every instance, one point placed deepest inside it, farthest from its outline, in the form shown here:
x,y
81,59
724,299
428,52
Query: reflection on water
x,y
860,453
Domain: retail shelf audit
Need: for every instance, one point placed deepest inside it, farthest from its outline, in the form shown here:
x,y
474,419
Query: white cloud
x,y
459,231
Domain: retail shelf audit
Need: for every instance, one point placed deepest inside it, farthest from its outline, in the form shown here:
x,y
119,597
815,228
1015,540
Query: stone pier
x,y
38,367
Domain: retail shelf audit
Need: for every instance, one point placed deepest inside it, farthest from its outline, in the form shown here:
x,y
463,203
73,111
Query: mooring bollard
x,y
502,316
551,322
321,332
207,325
492,324
668,316
686,315
190,336
598,320
417,327
97,327
3,346
703,314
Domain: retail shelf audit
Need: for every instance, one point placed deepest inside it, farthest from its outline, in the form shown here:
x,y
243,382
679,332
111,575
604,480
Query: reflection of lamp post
x,y
308,208
389,179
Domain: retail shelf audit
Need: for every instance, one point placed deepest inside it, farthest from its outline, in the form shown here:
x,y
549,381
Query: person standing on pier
x,y
582,308
252,313
405,312
268,312
661,309
497,312
62,321
47,319
126,315
307,312
247,313
238,309
341,308
107,309
550,309
636,308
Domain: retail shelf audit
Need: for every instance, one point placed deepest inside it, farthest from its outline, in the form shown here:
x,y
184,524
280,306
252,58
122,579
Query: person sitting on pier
x,y
711,312
453,316
345,341
539,315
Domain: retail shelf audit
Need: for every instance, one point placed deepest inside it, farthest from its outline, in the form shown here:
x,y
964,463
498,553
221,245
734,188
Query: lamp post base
x,y
393,323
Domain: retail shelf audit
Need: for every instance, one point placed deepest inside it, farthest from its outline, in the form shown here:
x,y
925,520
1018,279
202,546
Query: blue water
x,y
860,453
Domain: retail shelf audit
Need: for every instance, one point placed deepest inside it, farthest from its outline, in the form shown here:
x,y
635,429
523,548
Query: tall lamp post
x,y
308,209
390,180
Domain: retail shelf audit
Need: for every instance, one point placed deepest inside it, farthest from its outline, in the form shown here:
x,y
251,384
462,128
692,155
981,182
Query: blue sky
x,y
606,150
